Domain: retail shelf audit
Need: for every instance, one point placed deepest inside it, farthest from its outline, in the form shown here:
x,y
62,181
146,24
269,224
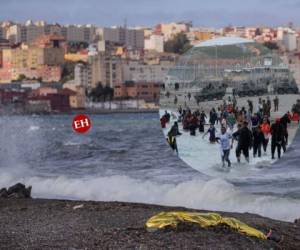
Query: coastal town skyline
x,y
210,14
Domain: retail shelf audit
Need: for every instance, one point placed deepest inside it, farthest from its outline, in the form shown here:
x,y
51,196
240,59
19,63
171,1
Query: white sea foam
x,y
33,128
216,194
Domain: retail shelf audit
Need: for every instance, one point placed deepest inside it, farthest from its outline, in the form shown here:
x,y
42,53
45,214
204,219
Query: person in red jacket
x,y
266,130
163,121
295,117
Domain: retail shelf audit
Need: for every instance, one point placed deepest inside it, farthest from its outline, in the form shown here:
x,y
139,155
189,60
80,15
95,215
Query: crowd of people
x,y
250,129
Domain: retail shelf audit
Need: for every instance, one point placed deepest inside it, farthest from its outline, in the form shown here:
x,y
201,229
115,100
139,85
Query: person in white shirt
x,y
224,140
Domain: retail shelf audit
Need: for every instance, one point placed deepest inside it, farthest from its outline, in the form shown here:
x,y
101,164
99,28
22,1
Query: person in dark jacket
x,y
258,139
277,131
255,122
193,125
213,117
202,121
175,129
244,138
212,133
172,142
285,120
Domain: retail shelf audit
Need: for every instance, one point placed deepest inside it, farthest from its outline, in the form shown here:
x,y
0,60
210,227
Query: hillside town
x,y
47,68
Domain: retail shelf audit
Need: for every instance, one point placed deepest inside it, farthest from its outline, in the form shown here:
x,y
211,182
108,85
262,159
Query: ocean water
x,y
124,157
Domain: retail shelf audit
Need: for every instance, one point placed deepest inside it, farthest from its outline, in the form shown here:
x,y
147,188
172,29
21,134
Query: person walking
x,y
212,134
258,139
224,140
244,138
277,131
266,130
276,103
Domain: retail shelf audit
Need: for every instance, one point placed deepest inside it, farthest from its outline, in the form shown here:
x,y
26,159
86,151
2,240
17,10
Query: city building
x,y
28,32
203,35
250,32
2,33
76,57
138,72
4,44
169,30
79,33
103,69
281,31
59,100
130,38
40,60
290,40
33,31
81,74
155,42
148,92
16,33
53,29
77,97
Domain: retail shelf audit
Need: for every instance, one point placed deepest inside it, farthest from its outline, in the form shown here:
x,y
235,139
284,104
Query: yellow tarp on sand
x,y
171,219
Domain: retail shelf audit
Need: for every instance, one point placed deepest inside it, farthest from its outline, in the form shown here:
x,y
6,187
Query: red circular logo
x,y
81,123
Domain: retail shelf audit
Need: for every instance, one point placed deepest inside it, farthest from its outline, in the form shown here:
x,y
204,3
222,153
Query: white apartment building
x,y
13,33
81,75
290,40
155,42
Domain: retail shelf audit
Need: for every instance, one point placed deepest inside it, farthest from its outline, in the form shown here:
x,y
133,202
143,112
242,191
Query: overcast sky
x,y
210,13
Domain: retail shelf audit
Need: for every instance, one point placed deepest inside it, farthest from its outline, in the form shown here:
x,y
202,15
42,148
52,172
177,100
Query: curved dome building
x,y
230,62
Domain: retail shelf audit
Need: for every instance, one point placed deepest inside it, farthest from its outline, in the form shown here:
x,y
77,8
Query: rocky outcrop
x,y
16,191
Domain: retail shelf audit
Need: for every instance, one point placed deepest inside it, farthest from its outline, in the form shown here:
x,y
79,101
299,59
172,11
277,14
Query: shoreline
x,y
88,112
67,224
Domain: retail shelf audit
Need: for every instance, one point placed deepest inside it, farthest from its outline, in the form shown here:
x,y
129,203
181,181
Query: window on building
x,y
56,44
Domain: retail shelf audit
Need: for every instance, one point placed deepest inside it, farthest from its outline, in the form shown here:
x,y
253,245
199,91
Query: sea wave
x,y
215,194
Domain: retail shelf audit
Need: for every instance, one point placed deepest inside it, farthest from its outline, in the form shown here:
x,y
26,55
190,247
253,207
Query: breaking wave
x,y
216,194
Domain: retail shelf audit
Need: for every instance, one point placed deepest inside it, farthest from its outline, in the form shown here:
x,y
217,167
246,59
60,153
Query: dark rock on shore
x,y
18,191
3,193
60,224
